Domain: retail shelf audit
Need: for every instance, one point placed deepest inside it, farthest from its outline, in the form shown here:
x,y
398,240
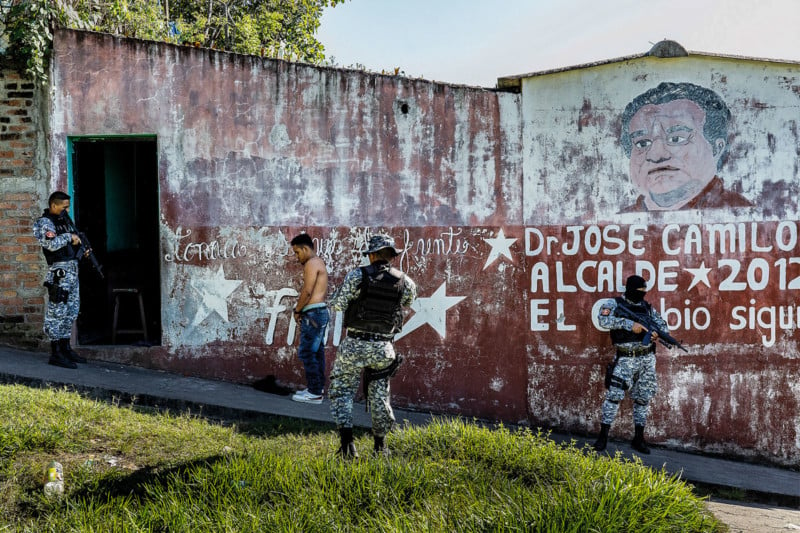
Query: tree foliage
x,y
272,28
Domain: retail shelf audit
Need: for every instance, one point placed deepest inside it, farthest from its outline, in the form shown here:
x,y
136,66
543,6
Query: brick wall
x,y
22,195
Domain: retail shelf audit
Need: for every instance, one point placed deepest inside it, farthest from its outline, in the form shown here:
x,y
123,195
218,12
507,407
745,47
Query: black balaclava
x,y
632,286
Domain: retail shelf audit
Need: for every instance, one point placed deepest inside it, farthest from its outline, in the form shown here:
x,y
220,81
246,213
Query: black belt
x,y
369,336
635,352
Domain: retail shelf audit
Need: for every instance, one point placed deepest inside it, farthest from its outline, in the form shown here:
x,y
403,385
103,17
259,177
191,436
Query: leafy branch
x,y
271,28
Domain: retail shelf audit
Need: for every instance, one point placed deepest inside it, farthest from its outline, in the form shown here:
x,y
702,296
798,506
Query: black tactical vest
x,y
619,336
377,308
63,225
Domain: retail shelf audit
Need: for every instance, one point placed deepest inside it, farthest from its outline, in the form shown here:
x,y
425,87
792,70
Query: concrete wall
x,y
508,206
726,278
22,186
253,151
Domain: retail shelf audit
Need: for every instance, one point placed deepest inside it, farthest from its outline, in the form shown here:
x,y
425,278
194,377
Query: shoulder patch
x,y
50,234
605,311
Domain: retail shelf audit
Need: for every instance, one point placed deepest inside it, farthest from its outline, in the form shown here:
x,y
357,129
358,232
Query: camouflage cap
x,y
379,242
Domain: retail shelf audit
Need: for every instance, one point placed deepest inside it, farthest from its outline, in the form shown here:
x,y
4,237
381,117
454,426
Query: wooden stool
x,y
117,294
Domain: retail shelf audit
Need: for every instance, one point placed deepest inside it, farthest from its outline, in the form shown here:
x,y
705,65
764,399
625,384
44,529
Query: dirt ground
x,y
742,517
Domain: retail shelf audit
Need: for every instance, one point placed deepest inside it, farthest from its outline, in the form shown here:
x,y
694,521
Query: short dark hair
x,y
57,196
303,240
717,113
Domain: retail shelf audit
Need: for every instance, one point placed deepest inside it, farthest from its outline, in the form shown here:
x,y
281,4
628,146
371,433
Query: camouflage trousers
x,y
354,355
59,316
638,374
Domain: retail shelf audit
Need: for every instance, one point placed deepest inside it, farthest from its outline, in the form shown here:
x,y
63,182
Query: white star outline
x,y
500,246
700,275
214,292
431,310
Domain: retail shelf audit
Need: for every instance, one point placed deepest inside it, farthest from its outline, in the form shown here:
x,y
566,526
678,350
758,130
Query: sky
x,y
474,42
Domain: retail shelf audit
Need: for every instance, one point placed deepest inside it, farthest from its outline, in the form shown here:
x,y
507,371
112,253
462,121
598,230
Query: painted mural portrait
x,y
676,136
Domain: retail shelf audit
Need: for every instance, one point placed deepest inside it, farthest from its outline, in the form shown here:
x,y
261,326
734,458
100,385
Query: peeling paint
x,y
509,210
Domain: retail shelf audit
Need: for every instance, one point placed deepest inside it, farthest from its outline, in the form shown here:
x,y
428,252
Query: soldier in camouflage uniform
x,y
372,299
61,247
635,363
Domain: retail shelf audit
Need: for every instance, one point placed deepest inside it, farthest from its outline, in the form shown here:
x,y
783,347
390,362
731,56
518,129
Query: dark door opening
x,y
115,202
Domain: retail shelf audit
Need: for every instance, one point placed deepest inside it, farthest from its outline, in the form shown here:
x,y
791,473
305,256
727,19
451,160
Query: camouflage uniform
x,y
354,355
635,372
59,315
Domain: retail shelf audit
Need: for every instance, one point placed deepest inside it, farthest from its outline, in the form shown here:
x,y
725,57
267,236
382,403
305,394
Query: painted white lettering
x,y
184,252
769,319
617,244
665,274
605,276
561,285
693,237
724,236
537,312
530,249
540,273
647,271
636,233
783,274
594,240
729,283
738,314
688,318
665,235
276,309
576,241
758,274
754,245
786,236
561,323
580,278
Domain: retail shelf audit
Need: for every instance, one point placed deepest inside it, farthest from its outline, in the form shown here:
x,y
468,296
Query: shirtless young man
x,y
311,312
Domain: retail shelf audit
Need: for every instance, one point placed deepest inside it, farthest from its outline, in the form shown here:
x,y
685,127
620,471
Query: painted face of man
x,y
671,160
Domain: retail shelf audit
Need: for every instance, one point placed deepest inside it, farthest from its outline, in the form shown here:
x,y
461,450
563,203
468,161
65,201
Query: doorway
x,y
115,203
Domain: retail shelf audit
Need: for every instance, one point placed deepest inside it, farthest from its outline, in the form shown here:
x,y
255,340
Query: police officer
x,y
60,243
372,299
635,363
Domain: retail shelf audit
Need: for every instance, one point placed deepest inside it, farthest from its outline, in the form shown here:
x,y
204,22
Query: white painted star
x,y
431,310
500,246
700,275
214,292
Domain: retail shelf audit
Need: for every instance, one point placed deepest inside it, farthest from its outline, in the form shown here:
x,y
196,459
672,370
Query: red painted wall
x,y
253,151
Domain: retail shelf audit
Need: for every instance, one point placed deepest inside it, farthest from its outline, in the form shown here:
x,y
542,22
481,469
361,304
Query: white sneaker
x,y
304,396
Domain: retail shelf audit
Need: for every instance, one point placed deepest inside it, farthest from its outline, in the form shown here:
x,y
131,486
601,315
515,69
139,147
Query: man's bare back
x,y
315,281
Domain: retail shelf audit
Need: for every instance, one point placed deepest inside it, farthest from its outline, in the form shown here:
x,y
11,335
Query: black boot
x,y
380,447
71,354
602,440
638,442
57,356
347,450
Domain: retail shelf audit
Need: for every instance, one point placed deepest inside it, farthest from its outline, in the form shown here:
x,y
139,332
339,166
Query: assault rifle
x,y
650,325
85,250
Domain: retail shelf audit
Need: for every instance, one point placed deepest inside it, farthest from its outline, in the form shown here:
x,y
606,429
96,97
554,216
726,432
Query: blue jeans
x,y
312,347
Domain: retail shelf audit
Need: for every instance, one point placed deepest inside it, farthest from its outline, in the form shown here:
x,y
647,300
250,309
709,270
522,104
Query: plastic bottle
x,y
54,479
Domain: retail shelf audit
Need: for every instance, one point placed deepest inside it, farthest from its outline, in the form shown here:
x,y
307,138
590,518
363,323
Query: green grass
x,y
131,470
